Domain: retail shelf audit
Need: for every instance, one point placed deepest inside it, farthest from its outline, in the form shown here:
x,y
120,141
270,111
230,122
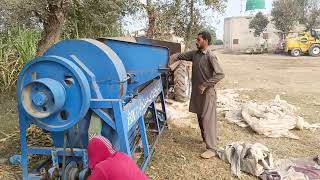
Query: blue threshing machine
x,y
76,81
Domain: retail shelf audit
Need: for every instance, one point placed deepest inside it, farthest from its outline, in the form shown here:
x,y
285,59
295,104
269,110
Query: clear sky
x,y
214,19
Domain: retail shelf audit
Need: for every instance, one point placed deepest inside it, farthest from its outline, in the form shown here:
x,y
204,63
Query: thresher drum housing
x,y
77,81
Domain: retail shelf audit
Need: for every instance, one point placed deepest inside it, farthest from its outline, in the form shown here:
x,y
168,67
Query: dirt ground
x,y
297,80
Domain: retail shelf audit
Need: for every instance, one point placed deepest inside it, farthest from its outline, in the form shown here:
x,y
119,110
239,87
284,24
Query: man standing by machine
x,y
206,73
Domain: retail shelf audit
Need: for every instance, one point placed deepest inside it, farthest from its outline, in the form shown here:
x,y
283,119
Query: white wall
x,y
238,28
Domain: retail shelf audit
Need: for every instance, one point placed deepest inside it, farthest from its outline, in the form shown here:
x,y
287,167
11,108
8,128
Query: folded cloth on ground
x,y
250,158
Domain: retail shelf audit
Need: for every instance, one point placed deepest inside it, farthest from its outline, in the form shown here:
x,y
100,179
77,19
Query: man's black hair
x,y
206,36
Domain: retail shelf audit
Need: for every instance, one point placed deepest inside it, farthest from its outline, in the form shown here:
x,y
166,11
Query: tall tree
x,y
259,23
70,18
310,14
48,15
93,18
151,11
191,22
285,15
53,21
184,18
196,15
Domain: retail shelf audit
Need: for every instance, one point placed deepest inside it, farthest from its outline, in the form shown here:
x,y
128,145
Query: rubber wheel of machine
x,y
182,83
295,52
314,50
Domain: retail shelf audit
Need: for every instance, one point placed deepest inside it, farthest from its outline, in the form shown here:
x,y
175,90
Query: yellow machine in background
x,y
306,42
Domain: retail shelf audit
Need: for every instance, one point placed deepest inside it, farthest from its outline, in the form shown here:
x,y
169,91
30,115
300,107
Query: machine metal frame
x,y
127,119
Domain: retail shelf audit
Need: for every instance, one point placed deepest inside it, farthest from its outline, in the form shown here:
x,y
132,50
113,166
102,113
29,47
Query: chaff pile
x,y
230,103
35,137
9,172
178,114
228,99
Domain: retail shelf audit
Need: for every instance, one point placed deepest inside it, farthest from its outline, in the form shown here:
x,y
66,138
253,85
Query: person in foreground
x,y
206,73
106,163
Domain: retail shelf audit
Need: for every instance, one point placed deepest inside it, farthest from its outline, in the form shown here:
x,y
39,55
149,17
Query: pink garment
x,y
312,172
107,164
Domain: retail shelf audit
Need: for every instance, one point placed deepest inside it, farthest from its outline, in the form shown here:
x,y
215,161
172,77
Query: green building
x,y
252,5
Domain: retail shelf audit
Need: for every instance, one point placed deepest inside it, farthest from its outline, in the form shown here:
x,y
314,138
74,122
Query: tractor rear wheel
x,y
314,50
295,52
182,83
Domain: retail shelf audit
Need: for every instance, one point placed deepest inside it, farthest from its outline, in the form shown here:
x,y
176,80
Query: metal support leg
x,y
54,158
85,159
144,137
155,116
163,104
121,124
23,143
